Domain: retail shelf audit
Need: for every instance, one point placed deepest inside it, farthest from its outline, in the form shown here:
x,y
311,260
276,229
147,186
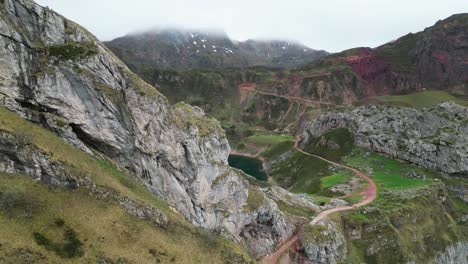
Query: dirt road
x,y
275,256
292,98
369,194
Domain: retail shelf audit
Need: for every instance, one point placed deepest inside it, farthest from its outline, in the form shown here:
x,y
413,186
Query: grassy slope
x,y
389,174
422,99
332,180
414,228
417,227
269,139
301,173
93,219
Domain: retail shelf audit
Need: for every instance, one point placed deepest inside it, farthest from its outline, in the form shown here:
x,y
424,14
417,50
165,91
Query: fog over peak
x,y
332,25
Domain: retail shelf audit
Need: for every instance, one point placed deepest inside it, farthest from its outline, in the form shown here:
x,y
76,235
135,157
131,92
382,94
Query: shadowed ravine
x,y
369,194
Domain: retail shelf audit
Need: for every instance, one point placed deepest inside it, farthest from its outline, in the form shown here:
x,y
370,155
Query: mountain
x,y
97,166
185,49
272,98
76,120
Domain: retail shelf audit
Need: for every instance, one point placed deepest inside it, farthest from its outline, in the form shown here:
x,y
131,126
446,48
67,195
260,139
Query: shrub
x,y
73,50
70,249
41,239
59,222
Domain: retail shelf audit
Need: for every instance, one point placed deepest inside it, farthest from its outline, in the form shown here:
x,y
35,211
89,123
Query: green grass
x,y
295,210
270,139
332,180
320,200
90,229
353,199
341,137
415,227
277,149
388,173
358,216
422,99
300,173
255,199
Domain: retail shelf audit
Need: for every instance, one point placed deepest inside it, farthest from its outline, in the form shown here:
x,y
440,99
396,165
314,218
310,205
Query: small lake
x,y
248,165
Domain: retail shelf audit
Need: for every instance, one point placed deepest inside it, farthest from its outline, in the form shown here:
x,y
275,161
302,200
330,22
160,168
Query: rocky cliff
x,y
55,73
454,254
434,138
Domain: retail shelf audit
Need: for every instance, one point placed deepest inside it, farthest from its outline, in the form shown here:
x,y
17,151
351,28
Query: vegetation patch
x,y
73,51
255,199
332,180
300,173
389,173
333,145
353,199
104,225
71,246
270,139
104,230
295,210
398,53
422,99
142,87
415,228
277,149
315,233
185,117
320,200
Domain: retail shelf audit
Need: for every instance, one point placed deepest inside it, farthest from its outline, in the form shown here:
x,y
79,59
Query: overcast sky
x,y
333,25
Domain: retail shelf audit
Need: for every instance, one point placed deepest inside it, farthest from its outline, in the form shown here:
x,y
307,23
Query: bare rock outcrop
x,y
435,138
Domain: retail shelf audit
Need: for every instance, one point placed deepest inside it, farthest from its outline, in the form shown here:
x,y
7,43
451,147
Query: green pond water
x,y
248,165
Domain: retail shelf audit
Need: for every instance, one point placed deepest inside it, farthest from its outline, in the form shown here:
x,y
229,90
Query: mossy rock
x,y
255,199
185,116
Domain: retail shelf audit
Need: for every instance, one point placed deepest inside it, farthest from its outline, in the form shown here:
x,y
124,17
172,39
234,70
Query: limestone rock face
x,y
331,250
54,72
435,138
457,253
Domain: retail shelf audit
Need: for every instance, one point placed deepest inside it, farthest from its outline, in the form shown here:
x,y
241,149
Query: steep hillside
x,y
56,74
59,204
185,49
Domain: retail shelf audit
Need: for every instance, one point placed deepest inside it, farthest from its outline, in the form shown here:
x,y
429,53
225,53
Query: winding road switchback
x,y
369,194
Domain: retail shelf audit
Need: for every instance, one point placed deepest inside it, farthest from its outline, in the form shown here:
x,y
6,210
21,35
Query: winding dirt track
x,y
292,98
369,194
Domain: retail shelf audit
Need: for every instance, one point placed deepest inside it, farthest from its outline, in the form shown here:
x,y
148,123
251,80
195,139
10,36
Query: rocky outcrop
x,y
456,254
19,155
434,138
324,244
54,72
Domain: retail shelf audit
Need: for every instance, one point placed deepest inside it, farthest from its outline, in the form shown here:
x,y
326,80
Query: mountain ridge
x,y
181,49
